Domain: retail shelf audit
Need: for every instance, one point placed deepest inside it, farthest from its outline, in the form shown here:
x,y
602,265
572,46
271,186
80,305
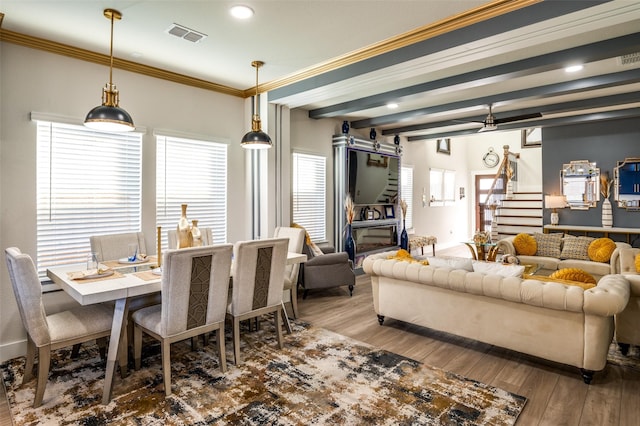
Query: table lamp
x,y
555,202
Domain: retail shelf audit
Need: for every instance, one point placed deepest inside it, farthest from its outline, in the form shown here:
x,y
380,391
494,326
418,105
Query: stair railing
x,y
504,181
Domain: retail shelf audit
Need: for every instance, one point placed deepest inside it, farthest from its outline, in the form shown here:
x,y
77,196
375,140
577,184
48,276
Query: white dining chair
x,y
47,333
258,280
114,246
296,244
195,290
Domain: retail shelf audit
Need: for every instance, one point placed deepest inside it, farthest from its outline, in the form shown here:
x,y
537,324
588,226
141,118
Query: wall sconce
x,y
555,202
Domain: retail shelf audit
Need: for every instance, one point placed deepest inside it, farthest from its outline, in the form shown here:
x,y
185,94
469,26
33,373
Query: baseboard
x,y
13,350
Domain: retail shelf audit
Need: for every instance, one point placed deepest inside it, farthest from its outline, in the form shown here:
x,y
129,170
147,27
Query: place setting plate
x,y
126,261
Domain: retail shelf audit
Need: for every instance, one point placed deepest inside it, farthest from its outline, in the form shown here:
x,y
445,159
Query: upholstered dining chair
x,y
258,283
195,291
47,333
114,246
296,244
207,237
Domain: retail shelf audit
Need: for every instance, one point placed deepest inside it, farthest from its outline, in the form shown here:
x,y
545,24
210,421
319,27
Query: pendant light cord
x,y
111,55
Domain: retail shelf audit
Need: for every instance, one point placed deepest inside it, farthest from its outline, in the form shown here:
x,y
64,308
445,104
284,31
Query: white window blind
x,y
88,183
442,187
309,194
406,188
192,172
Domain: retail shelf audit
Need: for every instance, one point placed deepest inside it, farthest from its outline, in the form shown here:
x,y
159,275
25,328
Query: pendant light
x,y
256,138
109,116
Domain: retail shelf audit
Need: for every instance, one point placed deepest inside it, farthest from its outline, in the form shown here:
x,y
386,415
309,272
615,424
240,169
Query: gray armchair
x,y
326,271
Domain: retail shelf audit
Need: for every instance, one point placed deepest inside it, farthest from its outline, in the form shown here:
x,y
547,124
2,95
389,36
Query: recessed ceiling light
x,y
392,105
241,11
574,68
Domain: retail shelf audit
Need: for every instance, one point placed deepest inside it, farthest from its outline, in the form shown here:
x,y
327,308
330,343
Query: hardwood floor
x,y
556,393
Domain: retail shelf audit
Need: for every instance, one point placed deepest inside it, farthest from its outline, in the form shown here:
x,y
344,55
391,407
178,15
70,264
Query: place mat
x,y
116,263
113,276
147,275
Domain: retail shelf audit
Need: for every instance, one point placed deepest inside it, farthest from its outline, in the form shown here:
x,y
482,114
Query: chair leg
x,y
278,320
102,347
44,361
75,351
166,366
236,341
31,357
294,301
221,349
137,346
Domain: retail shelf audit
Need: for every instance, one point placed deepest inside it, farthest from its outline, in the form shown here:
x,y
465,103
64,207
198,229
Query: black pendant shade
x,y
256,138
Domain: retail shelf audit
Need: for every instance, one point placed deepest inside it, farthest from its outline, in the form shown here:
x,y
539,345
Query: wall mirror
x,y
581,184
626,184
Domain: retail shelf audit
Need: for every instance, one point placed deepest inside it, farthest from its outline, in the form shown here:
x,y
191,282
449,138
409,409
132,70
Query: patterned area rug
x,y
631,360
319,378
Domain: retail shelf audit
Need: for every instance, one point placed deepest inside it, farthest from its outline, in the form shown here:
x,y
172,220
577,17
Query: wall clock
x,y
491,159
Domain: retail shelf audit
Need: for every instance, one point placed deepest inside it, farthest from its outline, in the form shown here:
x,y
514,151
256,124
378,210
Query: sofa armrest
x,y
609,297
328,259
623,260
614,262
506,246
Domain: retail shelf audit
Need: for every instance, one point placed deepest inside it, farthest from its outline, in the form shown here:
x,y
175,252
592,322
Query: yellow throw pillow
x,y
585,286
601,249
405,256
306,234
637,262
525,244
573,274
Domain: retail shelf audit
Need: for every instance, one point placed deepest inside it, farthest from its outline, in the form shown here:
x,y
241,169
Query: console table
x,y
585,230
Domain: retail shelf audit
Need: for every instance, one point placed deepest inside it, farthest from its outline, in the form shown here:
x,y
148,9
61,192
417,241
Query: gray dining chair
x,y
46,333
258,283
296,243
195,291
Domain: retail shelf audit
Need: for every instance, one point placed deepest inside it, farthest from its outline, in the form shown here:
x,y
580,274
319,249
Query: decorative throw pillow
x,y
548,244
312,246
494,268
543,278
637,262
525,245
601,249
573,274
575,247
451,263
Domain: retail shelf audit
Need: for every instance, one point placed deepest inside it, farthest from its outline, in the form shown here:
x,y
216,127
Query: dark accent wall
x,y
605,143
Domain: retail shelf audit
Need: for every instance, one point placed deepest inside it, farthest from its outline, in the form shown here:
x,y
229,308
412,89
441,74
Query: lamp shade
x,y
110,119
256,140
555,201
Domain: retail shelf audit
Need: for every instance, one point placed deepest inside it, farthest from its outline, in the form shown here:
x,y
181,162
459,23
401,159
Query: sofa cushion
x,y
494,268
548,244
451,262
525,244
573,274
601,249
637,262
575,247
593,268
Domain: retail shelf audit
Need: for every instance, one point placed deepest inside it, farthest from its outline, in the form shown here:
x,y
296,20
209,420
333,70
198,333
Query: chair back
x,y
296,243
114,246
28,293
258,274
195,287
172,237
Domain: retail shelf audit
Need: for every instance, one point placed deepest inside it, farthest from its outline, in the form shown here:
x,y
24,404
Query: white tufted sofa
x,y
561,323
628,321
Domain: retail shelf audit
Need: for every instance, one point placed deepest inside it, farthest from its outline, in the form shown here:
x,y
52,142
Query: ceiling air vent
x,y
631,58
186,33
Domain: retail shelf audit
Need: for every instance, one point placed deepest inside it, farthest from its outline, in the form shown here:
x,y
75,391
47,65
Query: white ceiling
x,y
295,36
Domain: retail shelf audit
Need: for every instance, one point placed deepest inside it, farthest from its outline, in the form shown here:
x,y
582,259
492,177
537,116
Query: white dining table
x,y
120,289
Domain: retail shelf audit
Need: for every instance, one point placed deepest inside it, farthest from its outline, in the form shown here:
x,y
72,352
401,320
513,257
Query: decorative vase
x,y
350,244
345,127
607,214
184,230
196,235
404,237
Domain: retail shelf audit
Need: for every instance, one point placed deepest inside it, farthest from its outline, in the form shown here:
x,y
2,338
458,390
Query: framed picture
x,y
389,212
444,146
531,137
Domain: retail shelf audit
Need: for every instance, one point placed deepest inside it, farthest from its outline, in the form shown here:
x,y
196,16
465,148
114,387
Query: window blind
x,y
192,172
406,189
88,183
309,194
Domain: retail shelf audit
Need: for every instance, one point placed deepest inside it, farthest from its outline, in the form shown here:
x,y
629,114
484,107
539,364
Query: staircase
x,y
521,213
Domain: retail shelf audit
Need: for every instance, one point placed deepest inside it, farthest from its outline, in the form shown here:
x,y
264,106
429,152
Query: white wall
x,y
32,80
